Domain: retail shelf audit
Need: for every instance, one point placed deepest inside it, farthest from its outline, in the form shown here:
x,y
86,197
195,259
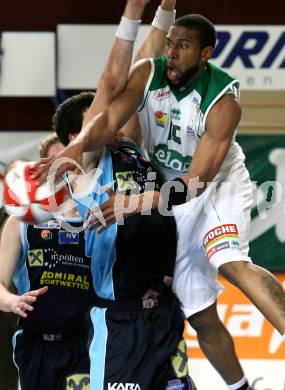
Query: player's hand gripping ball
x,y
28,201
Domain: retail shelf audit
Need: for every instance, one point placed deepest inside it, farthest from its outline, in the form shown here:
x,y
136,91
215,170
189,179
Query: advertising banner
x,y
253,54
265,160
258,345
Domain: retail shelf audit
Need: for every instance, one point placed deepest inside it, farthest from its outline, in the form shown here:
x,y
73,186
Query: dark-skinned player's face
x,y
185,56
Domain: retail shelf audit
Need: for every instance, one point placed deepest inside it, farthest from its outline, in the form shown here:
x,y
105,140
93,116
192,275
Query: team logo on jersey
x,y
162,94
176,114
49,225
36,258
217,248
65,237
196,100
175,384
180,360
78,382
46,234
220,232
126,181
170,158
160,118
235,244
190,131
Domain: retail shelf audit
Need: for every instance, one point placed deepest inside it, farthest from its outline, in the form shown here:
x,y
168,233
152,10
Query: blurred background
x,y
50,50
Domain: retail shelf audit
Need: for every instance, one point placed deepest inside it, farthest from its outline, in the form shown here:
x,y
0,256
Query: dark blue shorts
x,y
50,361
138,348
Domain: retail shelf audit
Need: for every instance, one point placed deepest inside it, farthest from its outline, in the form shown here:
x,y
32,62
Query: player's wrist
x,y
163,19
128,29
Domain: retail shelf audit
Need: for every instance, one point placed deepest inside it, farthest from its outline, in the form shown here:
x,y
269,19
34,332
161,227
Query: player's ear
x,y
207,53
72,136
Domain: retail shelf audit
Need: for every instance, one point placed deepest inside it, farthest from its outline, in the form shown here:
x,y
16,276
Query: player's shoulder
x,y
11,226
126,143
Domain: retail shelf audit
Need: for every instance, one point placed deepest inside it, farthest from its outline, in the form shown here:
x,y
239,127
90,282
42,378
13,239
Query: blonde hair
x,y
47,143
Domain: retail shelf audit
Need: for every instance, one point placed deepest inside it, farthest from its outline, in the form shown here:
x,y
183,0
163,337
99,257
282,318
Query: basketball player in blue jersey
x,y
189,112
136,324
52,274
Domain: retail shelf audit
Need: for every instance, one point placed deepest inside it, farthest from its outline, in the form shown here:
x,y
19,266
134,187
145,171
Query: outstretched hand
x,y
115,209
23,303
69,159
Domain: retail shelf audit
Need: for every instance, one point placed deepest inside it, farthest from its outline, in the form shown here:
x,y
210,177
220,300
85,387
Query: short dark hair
x,y
68,116
205,29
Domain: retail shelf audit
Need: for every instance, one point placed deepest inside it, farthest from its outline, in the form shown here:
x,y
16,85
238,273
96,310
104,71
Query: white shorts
x,y
213,229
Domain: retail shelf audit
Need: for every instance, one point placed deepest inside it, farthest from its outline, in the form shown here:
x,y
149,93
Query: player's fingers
x,y
107,205
26,306
92,212
38,292
21,312
40,167
30,298
95,221
108,221
103,228
108,191
41,290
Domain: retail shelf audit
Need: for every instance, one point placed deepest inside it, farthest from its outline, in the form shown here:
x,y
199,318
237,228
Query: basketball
x,y
28,201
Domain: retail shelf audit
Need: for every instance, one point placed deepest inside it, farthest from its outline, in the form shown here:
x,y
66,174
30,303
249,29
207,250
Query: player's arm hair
x,y
10,251
154,45
101,130
214,145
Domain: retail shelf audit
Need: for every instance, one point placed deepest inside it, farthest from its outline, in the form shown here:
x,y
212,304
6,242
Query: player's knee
x,y
206,321
235,271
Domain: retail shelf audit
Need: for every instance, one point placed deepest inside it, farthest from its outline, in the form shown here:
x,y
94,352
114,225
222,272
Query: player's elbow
x,y
112,86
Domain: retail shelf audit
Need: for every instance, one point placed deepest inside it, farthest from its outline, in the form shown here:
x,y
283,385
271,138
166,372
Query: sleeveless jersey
x,y
173,120
54,257
128,258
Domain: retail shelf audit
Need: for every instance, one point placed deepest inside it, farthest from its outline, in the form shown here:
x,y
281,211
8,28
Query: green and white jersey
x,y
173,120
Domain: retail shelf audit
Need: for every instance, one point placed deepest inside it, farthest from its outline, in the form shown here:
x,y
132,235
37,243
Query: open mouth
x,y
172,73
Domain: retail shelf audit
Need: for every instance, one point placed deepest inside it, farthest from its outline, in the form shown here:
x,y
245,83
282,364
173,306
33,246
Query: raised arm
x,y
115,74
152,46
117,113
155,42
10,251
102,129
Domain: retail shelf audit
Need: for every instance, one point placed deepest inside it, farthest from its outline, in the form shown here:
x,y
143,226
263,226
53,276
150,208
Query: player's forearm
x,y
115,74
206,164
113,79
154,43
94,135
134,9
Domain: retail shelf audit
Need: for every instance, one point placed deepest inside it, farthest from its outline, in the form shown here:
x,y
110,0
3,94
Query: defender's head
x,y
68,118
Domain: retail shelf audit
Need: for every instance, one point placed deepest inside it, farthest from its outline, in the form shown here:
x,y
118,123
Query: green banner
x,y
265,160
